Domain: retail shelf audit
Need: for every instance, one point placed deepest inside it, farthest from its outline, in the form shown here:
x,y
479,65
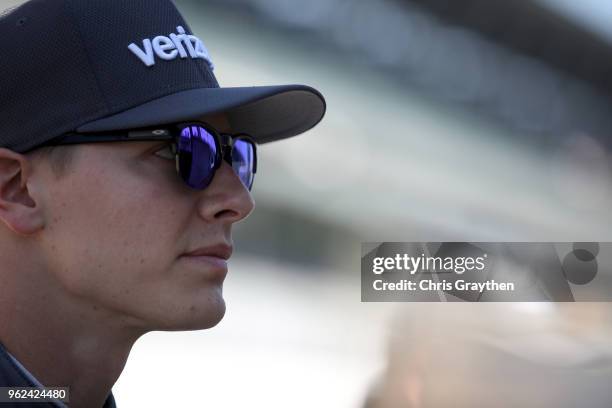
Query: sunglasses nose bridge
x,y
226,147
226,152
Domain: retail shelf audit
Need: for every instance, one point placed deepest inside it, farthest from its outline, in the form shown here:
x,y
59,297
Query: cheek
x,y
111,231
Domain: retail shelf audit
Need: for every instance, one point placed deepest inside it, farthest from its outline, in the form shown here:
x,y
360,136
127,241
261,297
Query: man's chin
x,y
198,317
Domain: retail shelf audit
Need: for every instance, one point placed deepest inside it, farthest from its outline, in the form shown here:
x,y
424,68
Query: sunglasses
x,y
198,149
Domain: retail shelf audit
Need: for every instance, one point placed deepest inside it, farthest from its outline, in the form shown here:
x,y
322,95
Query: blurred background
x,y
447,120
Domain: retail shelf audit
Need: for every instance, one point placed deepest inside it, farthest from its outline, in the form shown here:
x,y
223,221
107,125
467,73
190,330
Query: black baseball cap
x,y
101,65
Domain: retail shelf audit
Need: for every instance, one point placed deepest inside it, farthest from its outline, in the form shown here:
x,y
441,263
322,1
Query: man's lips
x,y
211,259
222,251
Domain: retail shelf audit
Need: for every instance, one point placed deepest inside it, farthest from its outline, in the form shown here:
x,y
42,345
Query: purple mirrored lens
x,y
243,161
197,150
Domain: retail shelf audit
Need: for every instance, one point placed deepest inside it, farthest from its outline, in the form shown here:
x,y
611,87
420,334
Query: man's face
x,y
118,222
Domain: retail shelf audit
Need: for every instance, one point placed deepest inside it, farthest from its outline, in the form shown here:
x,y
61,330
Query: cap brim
x,y
267,113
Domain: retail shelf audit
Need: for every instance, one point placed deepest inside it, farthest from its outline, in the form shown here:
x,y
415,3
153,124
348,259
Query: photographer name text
x,y
443,285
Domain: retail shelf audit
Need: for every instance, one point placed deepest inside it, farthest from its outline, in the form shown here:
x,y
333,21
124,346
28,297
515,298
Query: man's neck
x,y
63,343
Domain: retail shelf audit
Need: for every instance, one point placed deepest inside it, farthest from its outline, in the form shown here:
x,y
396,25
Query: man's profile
x,y
123,166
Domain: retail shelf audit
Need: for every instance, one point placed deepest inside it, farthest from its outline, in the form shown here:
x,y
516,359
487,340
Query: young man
x,y
123,166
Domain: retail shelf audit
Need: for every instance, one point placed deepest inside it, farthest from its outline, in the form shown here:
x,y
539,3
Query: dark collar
x,y
12,376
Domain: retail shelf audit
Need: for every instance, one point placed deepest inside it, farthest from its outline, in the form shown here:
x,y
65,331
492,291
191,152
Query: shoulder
x,y
10,374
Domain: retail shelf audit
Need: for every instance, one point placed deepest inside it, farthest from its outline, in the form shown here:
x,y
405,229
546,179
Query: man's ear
x,y
18,210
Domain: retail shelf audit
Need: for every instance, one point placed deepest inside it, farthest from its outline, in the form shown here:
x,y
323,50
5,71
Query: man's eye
x,y
165,152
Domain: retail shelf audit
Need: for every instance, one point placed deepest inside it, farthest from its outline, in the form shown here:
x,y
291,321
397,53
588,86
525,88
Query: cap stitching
x,y
87,56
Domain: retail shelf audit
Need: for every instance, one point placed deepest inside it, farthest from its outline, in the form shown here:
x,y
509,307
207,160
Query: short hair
x,y
59,158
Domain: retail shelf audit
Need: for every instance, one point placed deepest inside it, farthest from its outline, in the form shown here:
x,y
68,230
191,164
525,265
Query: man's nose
x,y
226,198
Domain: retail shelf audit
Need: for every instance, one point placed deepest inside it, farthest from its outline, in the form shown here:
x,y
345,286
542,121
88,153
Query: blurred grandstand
x,y
447,120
